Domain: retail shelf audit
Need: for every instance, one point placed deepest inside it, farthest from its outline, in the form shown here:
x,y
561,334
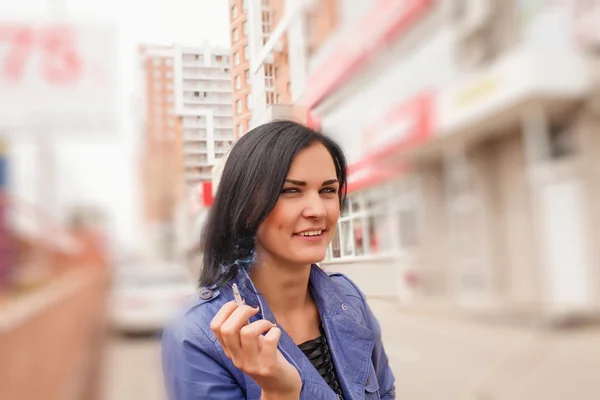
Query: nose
x,y
314,207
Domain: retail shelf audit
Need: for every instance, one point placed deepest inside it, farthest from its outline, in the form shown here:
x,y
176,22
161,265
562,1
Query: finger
x,y
230,329
250,334
215,325
269,342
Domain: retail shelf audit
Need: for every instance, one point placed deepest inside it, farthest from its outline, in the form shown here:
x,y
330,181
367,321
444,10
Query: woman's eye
x,y
290,190
329,190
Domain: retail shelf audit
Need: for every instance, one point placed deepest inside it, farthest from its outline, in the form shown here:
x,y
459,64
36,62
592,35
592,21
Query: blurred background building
x,y
189,128
470,133
471,130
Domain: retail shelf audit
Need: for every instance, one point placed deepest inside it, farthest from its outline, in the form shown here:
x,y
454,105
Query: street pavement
x,y
433,357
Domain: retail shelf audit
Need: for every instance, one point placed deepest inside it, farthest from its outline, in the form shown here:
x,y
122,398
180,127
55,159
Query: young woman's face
x,y
302,223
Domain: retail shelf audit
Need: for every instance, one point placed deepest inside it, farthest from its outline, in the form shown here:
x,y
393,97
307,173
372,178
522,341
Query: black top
x,y
318,353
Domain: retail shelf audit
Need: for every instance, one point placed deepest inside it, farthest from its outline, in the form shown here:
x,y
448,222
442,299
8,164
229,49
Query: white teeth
x,y
311,233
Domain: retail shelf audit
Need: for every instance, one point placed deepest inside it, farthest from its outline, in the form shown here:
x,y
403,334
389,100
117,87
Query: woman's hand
x,y
255,354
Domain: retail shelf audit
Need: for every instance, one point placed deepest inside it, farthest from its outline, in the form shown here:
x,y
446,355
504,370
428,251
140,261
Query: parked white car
x,y
144,297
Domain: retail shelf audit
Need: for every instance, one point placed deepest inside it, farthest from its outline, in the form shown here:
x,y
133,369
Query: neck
x,y
284,287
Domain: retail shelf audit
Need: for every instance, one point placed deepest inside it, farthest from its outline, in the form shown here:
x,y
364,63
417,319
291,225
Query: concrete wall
x,y
376,278
51,341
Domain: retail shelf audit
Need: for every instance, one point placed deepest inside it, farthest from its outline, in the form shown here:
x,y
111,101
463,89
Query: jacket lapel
x,y
350,342
286,345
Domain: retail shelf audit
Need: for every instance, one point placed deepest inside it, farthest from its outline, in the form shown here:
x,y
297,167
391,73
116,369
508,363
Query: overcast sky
x,y
84,169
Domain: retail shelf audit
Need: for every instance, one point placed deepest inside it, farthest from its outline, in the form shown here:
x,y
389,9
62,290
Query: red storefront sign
x,y
205,194
365,176
377,29
404,126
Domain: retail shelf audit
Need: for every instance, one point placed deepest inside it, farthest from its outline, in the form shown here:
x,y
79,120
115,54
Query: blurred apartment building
x,y
259,82
261,65
471,131
188,129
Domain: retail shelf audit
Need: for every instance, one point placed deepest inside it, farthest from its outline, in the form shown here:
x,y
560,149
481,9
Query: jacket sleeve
x,y
191,366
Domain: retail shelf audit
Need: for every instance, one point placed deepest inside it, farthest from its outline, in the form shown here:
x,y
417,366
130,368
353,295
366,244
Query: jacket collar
x,y
350,342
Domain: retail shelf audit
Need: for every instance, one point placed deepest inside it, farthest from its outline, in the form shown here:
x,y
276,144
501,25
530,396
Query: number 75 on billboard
x,y
58,75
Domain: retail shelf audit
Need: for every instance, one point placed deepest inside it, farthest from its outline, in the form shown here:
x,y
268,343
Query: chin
x,y
312,258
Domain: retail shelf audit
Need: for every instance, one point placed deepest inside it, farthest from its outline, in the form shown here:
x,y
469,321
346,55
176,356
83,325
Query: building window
x,y
238,106
246,51
270,98
157,61
169,74
269,78
562,141
245,28
196,94
219,58
248,102
380,220
158,86
169,86
266,22
236,58
169,61
235,34
234,11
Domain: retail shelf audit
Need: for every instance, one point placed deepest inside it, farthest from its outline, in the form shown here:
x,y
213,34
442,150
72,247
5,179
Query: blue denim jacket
x,y
196,368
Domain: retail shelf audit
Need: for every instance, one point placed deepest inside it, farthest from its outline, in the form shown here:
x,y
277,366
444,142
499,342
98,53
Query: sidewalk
x,y
446,358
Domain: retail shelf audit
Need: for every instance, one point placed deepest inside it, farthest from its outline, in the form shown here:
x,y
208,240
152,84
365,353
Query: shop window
x,y
407,227
335,250
562,142
377,221
347,238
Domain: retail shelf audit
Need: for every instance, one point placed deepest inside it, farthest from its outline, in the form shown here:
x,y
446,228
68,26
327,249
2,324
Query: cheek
x,y
276,222
333,211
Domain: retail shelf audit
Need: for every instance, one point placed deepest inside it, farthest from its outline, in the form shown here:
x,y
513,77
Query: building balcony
x,y
223,99
193,125
188,149
225,88
193,63
205,76
195,164
197,176
224,138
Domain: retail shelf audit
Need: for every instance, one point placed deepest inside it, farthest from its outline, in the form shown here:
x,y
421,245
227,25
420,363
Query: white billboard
x,y
58,77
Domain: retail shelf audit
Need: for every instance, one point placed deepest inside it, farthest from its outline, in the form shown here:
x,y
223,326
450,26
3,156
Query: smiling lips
x,y
314,233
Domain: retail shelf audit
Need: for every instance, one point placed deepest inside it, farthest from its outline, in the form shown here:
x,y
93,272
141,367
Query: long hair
x,y
250,185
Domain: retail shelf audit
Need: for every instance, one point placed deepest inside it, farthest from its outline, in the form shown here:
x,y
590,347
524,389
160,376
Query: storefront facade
x,y
472,186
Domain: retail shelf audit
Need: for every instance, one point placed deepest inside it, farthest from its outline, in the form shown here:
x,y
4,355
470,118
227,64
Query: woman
x,y
302,334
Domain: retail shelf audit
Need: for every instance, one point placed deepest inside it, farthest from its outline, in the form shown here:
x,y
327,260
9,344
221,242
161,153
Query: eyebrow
x,y
302,183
